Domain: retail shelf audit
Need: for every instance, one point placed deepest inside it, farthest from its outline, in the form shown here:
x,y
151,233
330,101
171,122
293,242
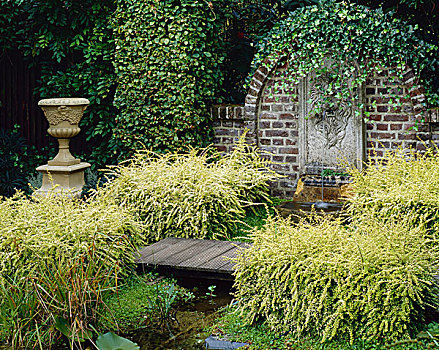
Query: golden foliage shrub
x,y
331,280
402,182
197,194
57,257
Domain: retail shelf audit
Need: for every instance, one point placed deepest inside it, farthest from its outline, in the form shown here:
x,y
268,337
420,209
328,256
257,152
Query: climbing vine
x,y
167,62
338,45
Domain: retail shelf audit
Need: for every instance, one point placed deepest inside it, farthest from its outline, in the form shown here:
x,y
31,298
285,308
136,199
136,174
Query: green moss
x,y
141,301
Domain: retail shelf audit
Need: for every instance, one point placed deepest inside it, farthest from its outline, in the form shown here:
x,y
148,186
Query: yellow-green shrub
x,y
401,182
196,194
327,279
57,257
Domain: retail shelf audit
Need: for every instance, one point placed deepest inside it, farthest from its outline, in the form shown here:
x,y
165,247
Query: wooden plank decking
x,y
198,257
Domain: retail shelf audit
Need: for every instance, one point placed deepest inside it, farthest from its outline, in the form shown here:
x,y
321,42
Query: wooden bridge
x,y
195,258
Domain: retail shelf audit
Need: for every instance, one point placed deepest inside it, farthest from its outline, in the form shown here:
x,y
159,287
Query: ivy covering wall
x,y
359,41
167,62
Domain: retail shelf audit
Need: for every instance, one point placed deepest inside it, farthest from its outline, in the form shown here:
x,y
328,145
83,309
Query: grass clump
x,y
403,182
58,258
191,195
325,279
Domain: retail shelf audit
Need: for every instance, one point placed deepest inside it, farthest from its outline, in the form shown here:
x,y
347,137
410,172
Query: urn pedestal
x,y
64,173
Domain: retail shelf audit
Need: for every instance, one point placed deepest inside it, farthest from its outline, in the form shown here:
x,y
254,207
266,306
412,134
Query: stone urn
x,y
64,173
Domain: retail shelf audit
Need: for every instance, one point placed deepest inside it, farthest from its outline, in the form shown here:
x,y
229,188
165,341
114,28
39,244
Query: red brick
x,y
287,116
375,117
291,159
396,118
421,146
264,125
288,150
382,127
268,116
278,133
278,159
410,74
384,145
382,108
268,99
252,92
278,142
382,135
277,125
407,136
415,92
396,126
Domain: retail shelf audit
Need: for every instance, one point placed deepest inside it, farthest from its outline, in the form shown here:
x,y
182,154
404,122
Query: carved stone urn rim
x,y
64,101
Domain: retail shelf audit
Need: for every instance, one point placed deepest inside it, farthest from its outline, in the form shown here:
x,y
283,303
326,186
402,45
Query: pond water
x,y
187,329
296,209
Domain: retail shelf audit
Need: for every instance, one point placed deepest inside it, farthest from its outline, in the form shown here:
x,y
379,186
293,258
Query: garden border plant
x,y
58,259
332,281
197,194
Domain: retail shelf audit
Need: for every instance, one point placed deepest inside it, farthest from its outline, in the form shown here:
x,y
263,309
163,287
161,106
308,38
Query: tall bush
x,y
334,281
167,64
403,181
57,259
191,195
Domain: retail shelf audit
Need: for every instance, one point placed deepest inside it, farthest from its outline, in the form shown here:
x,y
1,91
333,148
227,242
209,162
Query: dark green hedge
x,y
168,57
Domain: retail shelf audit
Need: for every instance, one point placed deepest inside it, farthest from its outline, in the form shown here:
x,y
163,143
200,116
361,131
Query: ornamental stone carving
x,y
64,115
332,119
56,115
64,173
331,129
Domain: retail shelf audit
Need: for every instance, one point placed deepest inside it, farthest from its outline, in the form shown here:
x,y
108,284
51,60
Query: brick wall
x,y
272,115
228,125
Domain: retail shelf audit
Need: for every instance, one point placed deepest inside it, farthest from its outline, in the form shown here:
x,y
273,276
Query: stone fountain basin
x,y
297,209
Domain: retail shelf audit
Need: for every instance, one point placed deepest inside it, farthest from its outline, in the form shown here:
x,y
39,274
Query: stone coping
x,y
64,101
63,168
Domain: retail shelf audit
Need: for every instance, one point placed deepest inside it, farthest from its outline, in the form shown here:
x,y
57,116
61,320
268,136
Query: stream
x,y
190,321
